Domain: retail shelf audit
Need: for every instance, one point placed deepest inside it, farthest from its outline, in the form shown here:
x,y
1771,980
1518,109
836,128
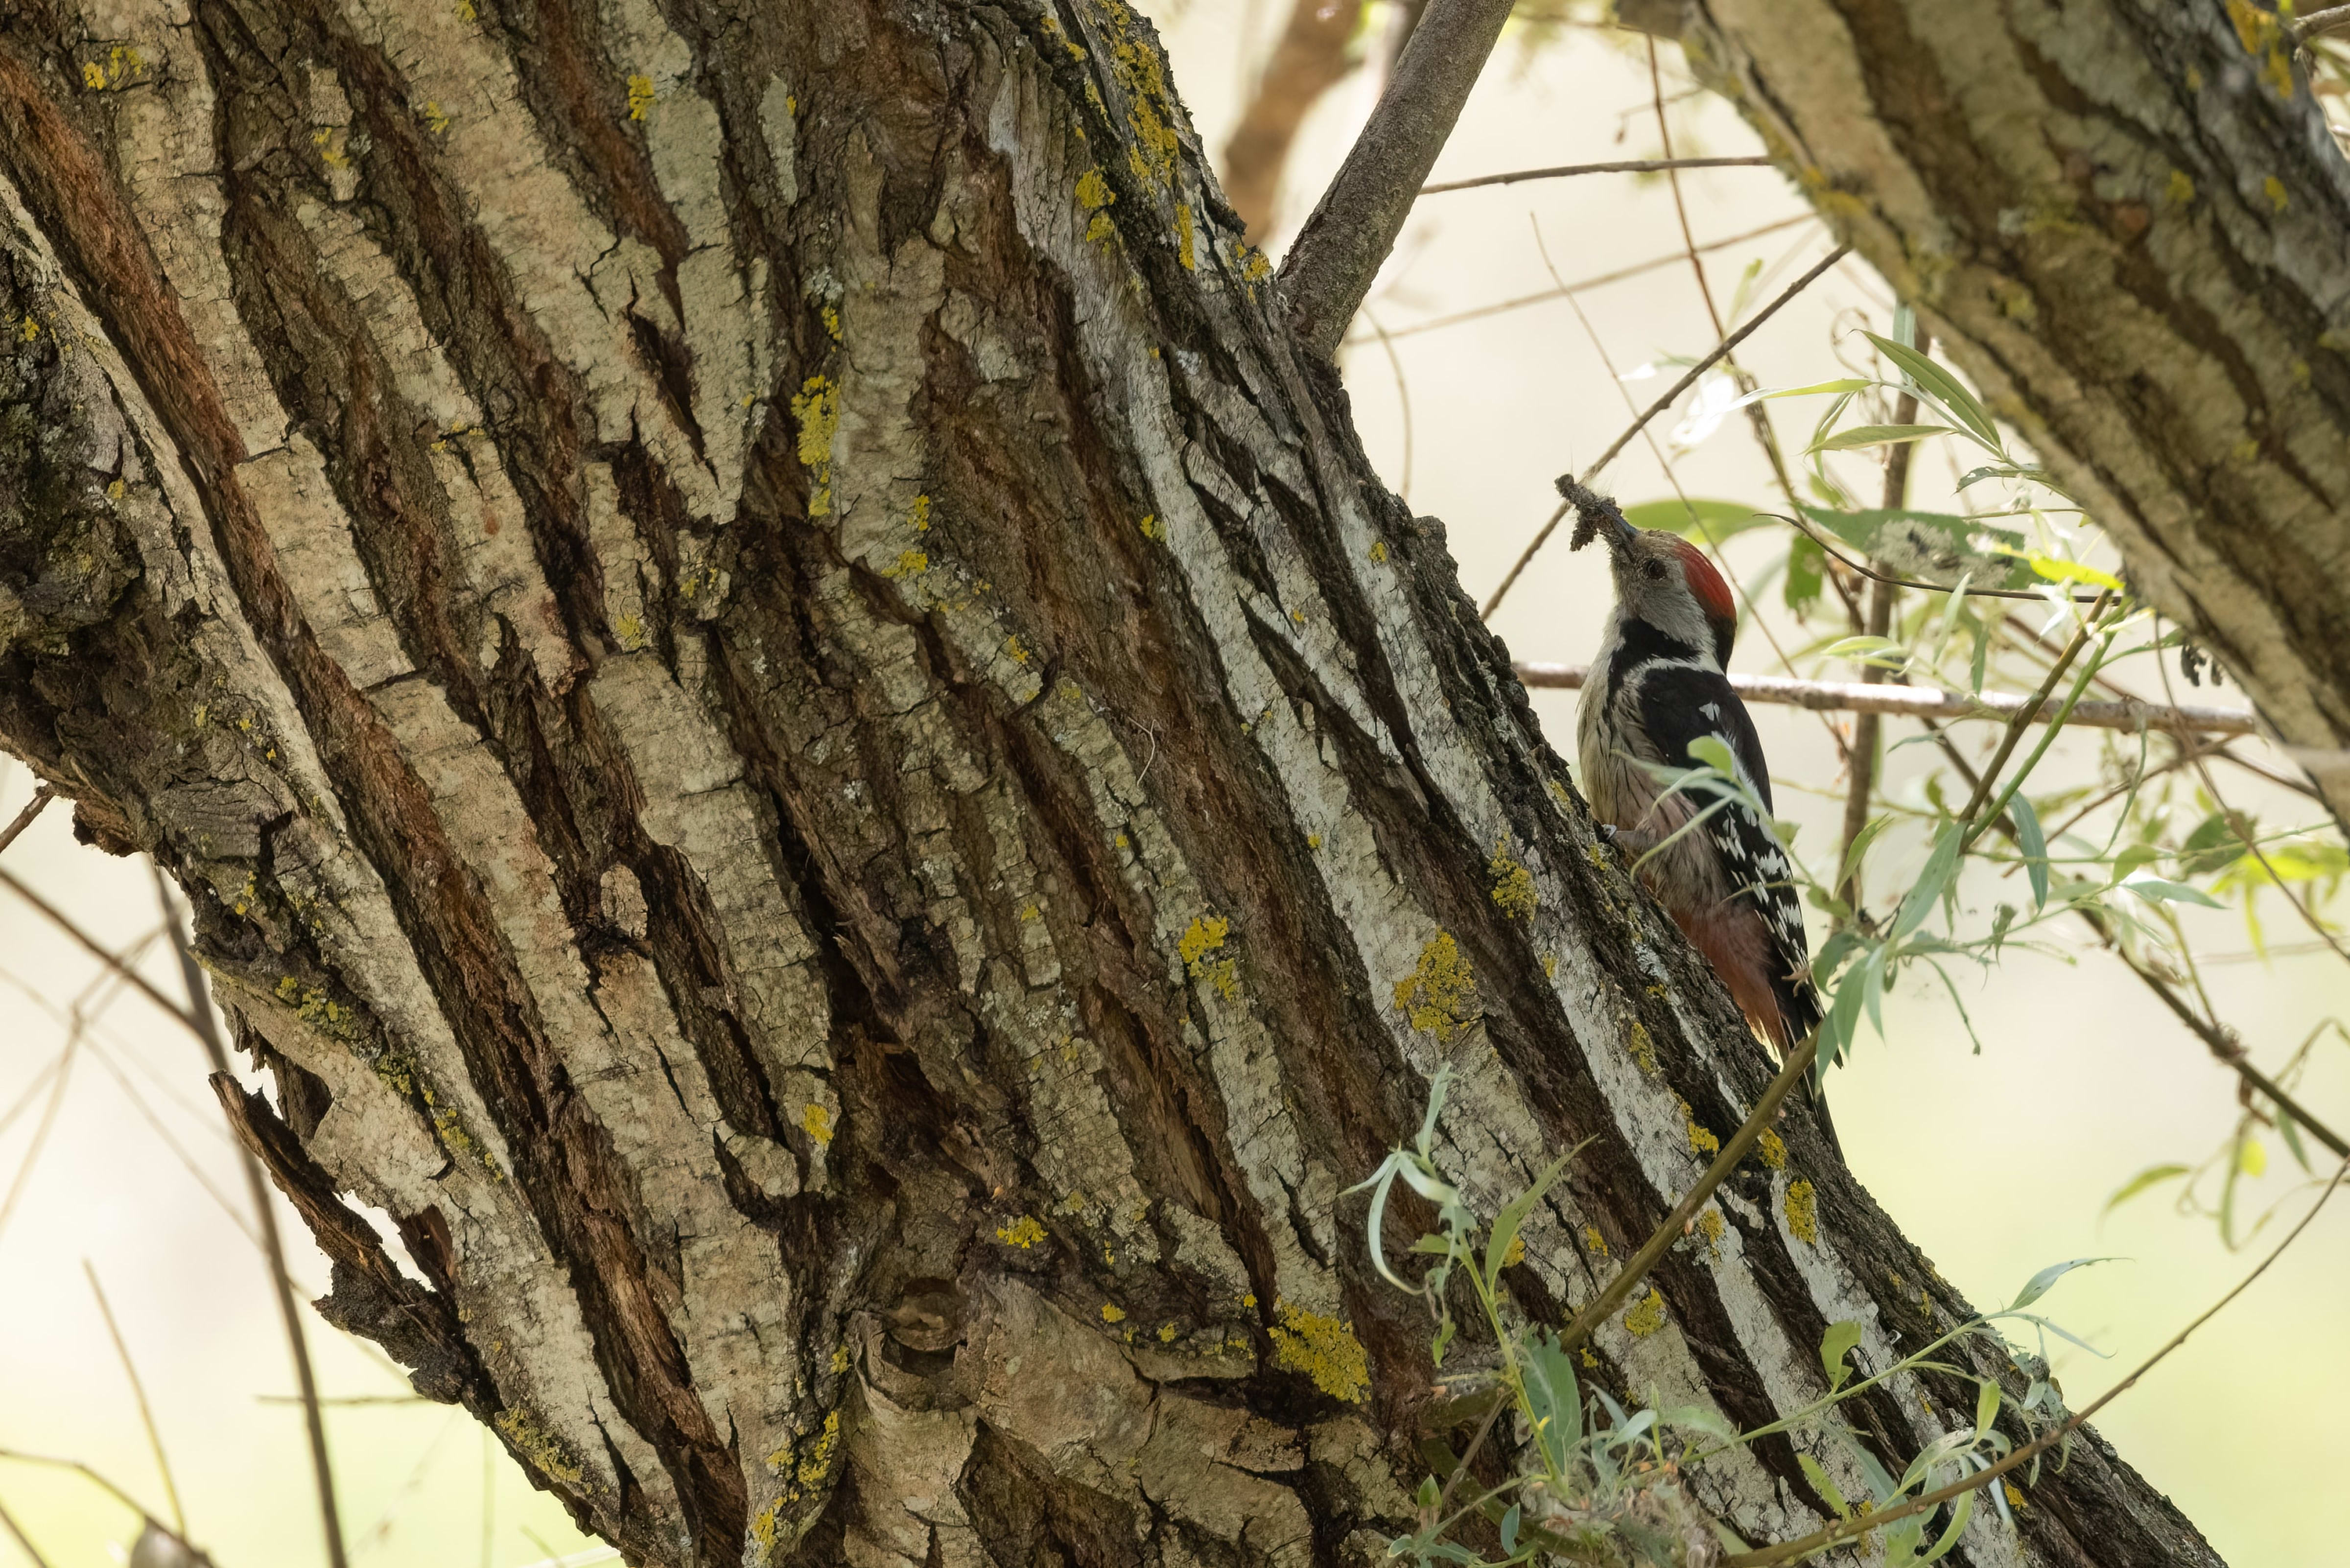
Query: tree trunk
x,y
2126,220
808,746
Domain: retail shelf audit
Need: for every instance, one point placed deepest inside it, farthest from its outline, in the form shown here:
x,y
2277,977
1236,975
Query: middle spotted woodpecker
x,y
1657,686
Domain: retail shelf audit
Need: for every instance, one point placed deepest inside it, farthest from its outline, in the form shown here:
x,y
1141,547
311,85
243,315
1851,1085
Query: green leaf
x,y
1986,1408
1861,436
2157,890
2216,844
2284,1121
1554,1398
1807,566
1514,1214
1714,754
1941,866
1847,384
1509,1532
1860,843
1818,1477
1442,1342
1881,651
1834,1346
2152,1176
2038,1284
2252,1156
1958,1516
1698,1418
2034,845
1698,517
1941,385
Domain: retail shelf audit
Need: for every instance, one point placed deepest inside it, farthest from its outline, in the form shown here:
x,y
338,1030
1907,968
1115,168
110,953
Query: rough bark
x,y
800,733
2126,220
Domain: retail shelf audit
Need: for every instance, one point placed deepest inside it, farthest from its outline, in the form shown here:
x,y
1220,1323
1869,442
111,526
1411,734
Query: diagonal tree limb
x,y
41,797
1330,267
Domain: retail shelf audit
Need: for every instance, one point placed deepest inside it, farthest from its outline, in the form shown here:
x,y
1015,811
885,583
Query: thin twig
x,y
1403,398
1638,269
1866,724
138,1392
199,1017
1331,263
23,1541
195,1554
90,944
1672,394
1864,1523
1933,702
1626,166
1636,1269
187,1161
2022,719
41,1130
33,808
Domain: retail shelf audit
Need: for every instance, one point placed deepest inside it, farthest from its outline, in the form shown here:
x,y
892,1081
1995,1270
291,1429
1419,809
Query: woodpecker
x,y
1657,686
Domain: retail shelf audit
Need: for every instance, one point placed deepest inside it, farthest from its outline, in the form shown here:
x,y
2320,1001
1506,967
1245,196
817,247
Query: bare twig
x,y
1330,266
1403,400
195,1554
33,807
1865,724
1502,306
138,1392
1863,1523
1309,59
199,1017
41,1130
1932,702
1636,1269
23,1541
1626,166
2022,720
65,922
1672,395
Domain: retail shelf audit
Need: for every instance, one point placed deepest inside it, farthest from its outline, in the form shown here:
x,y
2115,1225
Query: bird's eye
x,y
1656,570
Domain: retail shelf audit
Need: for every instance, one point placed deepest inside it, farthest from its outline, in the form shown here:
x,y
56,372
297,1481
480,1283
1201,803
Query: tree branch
x,y
1565,171
1931,703
1330,267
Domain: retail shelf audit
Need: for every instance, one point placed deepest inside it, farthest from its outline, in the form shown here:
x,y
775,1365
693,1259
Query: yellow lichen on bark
x,y
1440,997
1325,1349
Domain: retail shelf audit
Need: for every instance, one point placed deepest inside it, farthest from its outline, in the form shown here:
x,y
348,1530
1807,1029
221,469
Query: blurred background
x,y
1475,383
